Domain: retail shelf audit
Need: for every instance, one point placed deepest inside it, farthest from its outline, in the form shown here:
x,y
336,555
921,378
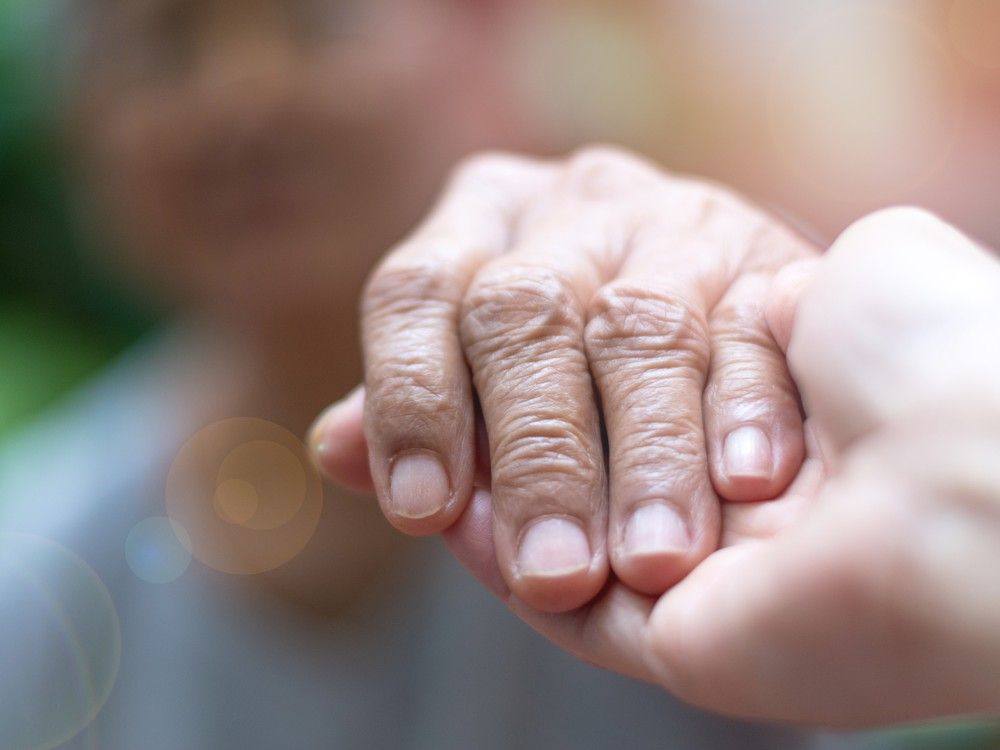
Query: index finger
x,y
419,409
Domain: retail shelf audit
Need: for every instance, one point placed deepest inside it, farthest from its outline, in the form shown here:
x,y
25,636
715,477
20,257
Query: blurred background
x,y
824,110
129,143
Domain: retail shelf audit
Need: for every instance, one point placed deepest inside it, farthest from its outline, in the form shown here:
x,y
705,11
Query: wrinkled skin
x,y
547,280
865,592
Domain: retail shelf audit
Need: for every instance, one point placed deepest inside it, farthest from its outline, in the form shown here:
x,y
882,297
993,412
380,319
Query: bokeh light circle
x,y
236,501
158,550
61,643
247,494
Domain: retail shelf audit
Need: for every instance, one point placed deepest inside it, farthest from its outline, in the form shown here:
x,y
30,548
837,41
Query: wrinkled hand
x,y
566,297
868,594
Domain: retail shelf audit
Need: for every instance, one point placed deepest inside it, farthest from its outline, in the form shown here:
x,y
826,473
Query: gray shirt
x,y
436,663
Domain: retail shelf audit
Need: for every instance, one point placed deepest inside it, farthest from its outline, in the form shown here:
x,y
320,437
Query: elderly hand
x,y
568,297
868,594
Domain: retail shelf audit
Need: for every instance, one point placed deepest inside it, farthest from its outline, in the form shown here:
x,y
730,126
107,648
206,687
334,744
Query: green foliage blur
x,y
60,320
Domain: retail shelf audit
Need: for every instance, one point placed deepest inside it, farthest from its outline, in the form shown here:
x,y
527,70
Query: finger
x,y
783,299
338,446
611,632
523,331
419,411
692,629
818,614
753,420
648,346
652,338
648,341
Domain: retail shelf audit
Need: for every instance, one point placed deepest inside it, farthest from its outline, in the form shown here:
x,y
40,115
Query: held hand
x,y
868,593
534,285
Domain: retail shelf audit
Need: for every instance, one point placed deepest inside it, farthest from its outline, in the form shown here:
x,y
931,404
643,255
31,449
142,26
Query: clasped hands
x,y
685,446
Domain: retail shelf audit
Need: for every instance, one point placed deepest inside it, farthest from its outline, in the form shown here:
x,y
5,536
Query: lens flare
x,y
236,501
246,493
158,550
61,643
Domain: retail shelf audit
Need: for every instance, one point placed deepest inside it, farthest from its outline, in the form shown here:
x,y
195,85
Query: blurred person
x,y
249,161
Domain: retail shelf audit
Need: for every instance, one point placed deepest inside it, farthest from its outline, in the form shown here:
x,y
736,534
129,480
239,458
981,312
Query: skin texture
x,y
866,594
536,285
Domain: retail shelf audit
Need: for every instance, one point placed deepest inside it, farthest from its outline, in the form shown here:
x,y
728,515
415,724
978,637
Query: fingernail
x,y
319,443
318,430
553,547
656,529
418,485
317,433
747,453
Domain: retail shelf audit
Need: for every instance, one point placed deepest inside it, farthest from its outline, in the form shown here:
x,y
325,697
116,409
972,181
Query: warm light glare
x,y
61,637
246,493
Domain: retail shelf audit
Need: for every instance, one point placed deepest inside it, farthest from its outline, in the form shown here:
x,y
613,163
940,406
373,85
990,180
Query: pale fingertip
x,y
786,290
316,439
655,550
337,417
747,454
655,530
553,548
419,486
555,568
321,451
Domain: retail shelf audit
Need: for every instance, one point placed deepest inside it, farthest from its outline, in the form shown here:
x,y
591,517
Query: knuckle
x,y
600,172
670,450
415,286
518,306
743,343
544,454
486,169
413,396
634,324
750,389
720,216
705,203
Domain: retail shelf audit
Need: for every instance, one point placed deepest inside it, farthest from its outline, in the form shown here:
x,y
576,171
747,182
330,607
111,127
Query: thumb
x,y
338,446
783,300
902,314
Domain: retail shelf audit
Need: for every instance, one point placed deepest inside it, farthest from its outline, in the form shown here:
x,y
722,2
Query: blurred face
x,y
255,156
